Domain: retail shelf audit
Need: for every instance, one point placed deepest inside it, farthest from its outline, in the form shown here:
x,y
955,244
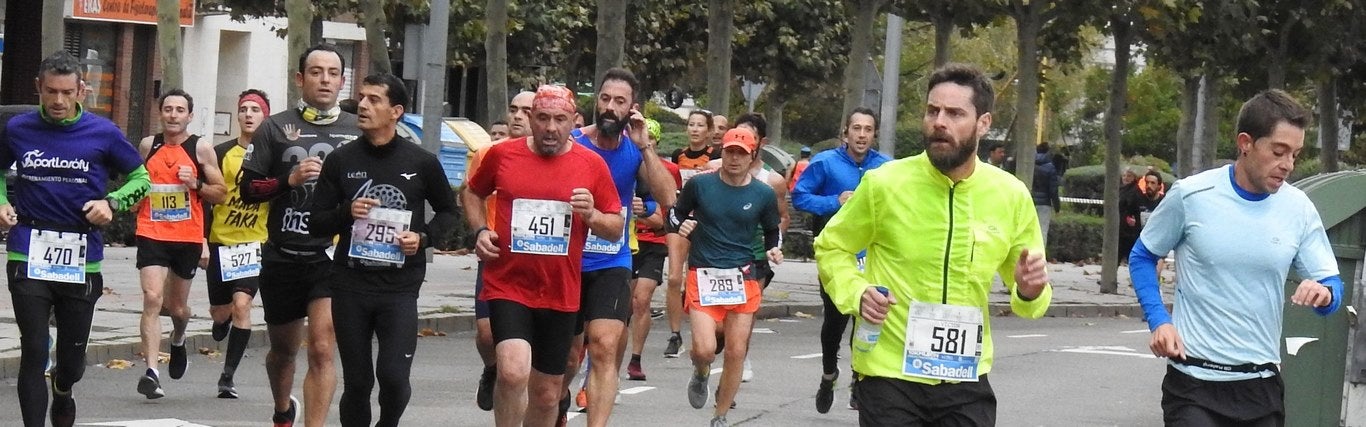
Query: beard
x,y
958,154
609,124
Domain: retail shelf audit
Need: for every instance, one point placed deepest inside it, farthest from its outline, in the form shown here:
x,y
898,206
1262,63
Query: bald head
x,y
519,114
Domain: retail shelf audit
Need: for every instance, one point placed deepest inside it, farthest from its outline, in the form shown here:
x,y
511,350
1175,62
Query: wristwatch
x,y
113,203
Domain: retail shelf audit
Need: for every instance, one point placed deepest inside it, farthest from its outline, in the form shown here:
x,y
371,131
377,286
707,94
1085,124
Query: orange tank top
x,y
171,212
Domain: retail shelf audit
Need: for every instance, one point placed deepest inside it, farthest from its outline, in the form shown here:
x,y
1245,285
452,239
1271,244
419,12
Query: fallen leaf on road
x,y
118,364
467,268
109,291
428,332
208,351
803,315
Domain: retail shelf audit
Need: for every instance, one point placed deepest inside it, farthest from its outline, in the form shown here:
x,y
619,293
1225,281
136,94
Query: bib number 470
x,y
59,256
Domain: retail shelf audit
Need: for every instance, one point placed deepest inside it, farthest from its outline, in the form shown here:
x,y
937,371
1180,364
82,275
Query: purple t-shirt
x,y
59,169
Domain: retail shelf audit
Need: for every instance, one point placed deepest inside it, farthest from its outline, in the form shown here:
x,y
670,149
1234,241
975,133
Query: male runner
x,y
235,236
1222,339
647,267
718,212
373,193
829,181
607,262
64,158
498,131
519,115
533,254
282,166
170,231
937,227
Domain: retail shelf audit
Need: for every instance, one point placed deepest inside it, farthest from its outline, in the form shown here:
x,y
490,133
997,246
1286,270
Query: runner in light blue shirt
x,y
1237,231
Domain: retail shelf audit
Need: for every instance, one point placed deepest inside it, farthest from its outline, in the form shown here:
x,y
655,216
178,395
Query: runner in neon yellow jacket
x,y
937,227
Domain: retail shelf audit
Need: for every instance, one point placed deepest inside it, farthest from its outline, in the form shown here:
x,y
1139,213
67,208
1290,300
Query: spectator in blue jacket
x,y
1045,192
822,188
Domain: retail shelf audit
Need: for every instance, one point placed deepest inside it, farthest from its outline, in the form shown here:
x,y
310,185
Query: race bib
x,y
56,256
687,174
375,237
541,227
943,342
239,261
169,202
720,286
599,245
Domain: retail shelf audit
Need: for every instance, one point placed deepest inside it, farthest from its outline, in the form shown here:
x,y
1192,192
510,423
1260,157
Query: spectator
x,y
1045,191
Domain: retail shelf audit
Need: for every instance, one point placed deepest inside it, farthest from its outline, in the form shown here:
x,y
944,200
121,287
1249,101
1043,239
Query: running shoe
x,y
63,408
825,395
179,361
634,371
697,388
149,385
289,416
484,397
226,388
675,344
719,422
220,330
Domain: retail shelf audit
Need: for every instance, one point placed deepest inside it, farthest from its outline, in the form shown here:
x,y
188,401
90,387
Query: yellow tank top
x,y
235,222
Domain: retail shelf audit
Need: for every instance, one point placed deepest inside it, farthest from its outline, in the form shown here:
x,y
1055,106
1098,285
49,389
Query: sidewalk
x,y
447,304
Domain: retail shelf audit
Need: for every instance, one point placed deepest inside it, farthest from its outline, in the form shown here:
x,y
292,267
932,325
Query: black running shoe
x,y
179,361
484,398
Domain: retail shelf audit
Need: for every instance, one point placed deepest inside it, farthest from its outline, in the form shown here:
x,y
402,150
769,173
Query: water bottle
x,y
866,334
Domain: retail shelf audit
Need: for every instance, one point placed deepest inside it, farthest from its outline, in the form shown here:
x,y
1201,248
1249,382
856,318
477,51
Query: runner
x,y
532,278
829,182
618,134
519,115
373,193
693,159
235,238
64,158
719,127
937,228
498,131
718,212
795,172
282,165
170,231
1222,339
648,269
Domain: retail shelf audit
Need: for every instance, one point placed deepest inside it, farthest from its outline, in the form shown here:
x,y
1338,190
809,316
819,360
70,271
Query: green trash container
x,y
1325,379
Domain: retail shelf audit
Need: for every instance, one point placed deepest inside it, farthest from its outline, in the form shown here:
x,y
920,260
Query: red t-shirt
x,y
644,233
544,271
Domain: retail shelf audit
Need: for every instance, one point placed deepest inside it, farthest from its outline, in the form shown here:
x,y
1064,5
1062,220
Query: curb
x,y
464,322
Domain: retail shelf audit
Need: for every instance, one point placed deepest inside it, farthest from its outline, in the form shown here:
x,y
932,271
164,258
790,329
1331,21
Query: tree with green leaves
x,y
793,46
862,19
946,17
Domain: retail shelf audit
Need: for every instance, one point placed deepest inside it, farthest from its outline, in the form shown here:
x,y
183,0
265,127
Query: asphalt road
x,y
1049,372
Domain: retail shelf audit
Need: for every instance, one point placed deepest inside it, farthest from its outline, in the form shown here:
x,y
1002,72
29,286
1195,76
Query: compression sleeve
x,y
1143,273
132,190
1334,284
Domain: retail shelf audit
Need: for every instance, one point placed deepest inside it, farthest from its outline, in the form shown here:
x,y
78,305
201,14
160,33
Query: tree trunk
x,y
720,35
1209,138
168,44
1185,132
1114,144
1328,122
1027,94
496,59
611,28
774,114
376,23
860,42
300,15
54,26
1276,63
315,30
943,32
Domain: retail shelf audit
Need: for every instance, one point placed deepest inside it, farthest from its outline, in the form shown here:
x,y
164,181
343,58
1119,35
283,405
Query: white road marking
x,y
1026,336
807,356
1111,350
635,390
763,331
1135,331
572,415
163,422
789,321
715,371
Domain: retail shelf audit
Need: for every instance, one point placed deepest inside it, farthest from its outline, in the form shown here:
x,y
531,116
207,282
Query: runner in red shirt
x,y
533,253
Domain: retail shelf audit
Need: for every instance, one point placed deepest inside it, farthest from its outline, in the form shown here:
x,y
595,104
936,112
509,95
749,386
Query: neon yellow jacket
x,y
926,236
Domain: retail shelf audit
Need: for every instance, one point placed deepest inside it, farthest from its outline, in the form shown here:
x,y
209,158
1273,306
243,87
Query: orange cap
x,y
742,138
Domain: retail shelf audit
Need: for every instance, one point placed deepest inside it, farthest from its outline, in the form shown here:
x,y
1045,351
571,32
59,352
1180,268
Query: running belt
x,y
1250,368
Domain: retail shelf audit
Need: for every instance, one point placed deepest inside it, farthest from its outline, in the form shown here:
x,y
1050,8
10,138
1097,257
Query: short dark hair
x,y
1155,175
754,119
60,63
1259,115
1041,148
498,122
395,90
983,95
176,92
324,47
992,146
860,110
623,75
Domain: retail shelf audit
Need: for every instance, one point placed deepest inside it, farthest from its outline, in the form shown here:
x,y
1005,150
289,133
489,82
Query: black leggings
x,y
357,319
73,306
832,330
